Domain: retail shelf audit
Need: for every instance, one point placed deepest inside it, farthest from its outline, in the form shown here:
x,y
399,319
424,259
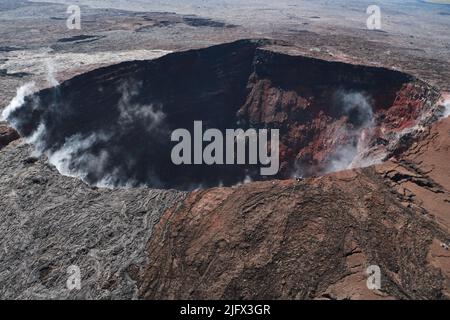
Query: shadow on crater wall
x,y
112,126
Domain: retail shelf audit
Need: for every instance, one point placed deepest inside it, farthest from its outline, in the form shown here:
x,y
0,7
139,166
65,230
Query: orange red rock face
x,y
312,115
407,107
7,135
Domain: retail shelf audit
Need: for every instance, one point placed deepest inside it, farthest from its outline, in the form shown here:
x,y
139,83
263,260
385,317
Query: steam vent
x,y
331,115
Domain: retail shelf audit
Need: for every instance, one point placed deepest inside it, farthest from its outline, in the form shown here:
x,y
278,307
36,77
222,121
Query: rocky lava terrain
x,y
307,238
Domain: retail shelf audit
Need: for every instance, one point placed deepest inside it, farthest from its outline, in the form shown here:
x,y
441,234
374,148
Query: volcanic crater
x,y
112,126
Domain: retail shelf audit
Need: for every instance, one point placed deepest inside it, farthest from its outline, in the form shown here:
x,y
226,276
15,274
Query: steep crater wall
x,y
112,126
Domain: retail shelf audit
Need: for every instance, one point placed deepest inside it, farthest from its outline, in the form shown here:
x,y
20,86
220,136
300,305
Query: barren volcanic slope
x,y
311,237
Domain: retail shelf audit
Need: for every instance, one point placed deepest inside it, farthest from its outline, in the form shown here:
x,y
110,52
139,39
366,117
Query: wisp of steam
x,y
358,108
89,155
447,108
18,100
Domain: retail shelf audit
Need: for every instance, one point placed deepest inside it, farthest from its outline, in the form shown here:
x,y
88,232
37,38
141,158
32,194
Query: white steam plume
x,y
130,113
27,89
76,157
73,154
447,108
355,101
50,72
37,140
342,158
18,100
359,111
